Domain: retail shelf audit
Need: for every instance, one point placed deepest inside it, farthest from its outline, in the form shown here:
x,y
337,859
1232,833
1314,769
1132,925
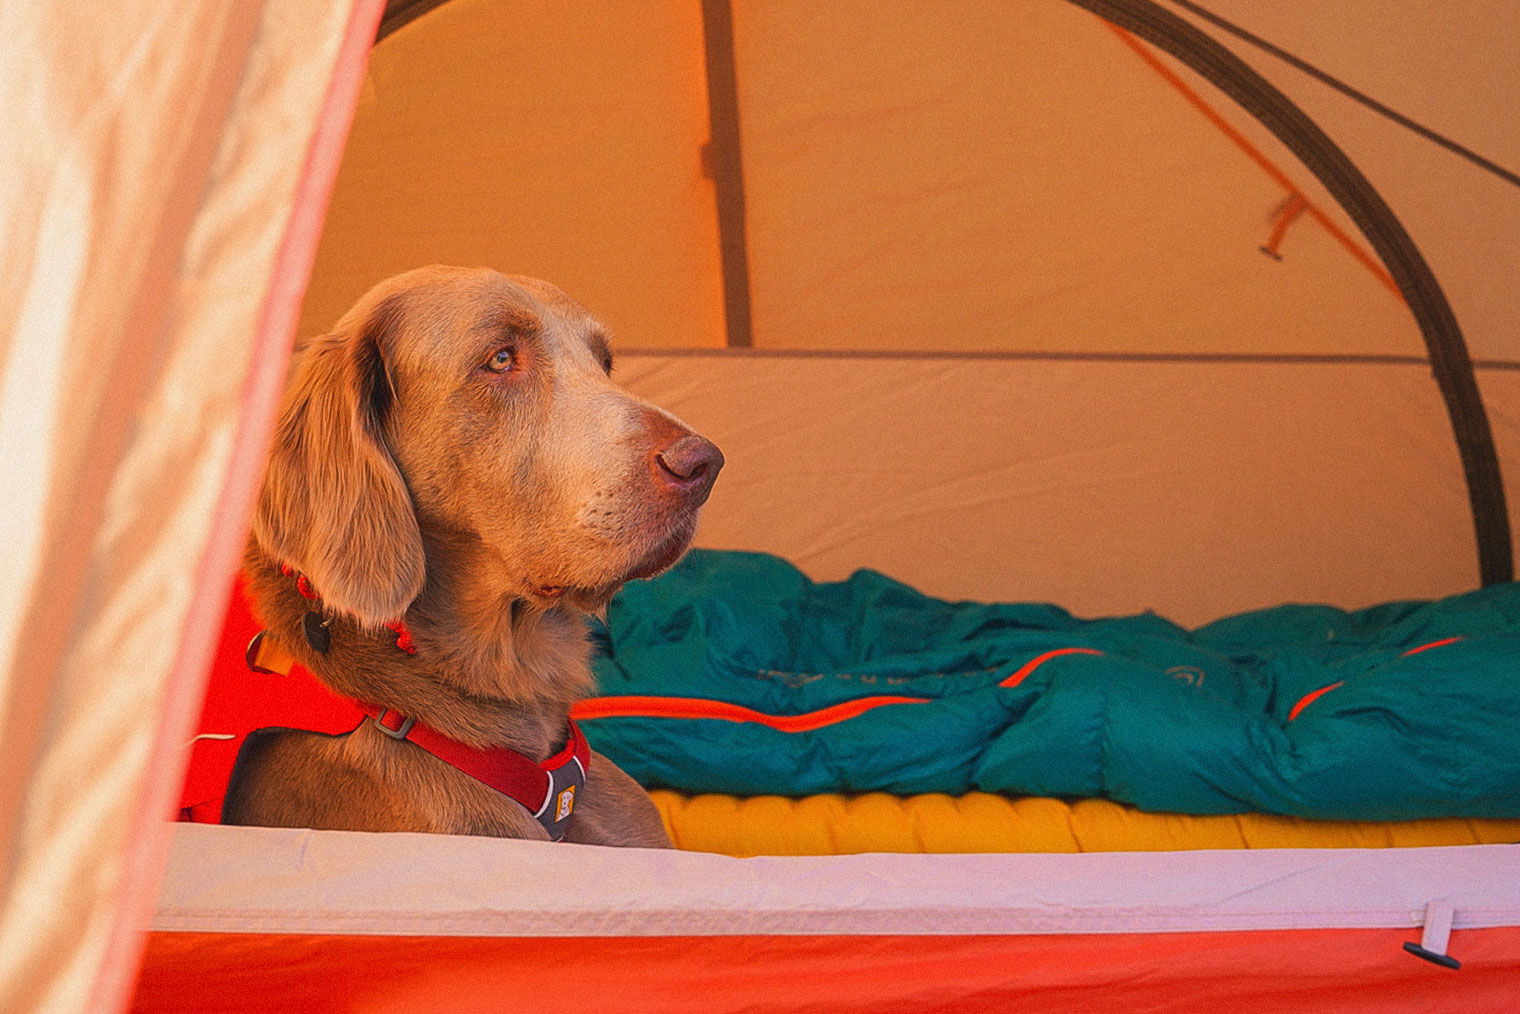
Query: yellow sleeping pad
x,y
980,822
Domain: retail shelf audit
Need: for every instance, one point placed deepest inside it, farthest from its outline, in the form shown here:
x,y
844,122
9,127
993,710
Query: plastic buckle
x,y
406,727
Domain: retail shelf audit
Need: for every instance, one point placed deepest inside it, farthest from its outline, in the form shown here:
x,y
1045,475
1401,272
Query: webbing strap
x,y
548,789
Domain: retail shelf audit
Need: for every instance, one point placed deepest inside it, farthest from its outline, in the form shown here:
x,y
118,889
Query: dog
x,y
454,484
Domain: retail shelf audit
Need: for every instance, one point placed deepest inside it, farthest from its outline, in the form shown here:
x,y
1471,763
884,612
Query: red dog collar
x,y
548,790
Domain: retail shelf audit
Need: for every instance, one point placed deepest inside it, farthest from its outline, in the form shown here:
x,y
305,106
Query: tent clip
x,y
1287,212
251,655
1436,934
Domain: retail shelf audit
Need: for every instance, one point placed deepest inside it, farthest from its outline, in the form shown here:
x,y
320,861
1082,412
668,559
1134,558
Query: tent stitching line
x,y
1247,358
194,918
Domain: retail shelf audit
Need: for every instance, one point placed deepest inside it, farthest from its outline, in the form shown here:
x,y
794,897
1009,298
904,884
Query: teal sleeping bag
x,y
735,673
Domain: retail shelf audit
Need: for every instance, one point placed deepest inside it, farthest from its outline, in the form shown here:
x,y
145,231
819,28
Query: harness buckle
x,y
406,726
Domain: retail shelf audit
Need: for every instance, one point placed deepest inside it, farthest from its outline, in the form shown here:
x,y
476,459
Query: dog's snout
x,y
690,464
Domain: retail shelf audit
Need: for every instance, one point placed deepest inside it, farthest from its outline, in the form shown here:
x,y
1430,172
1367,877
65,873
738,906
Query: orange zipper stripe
x,y
1039,660
1432,644
1313,696
639,706
693,707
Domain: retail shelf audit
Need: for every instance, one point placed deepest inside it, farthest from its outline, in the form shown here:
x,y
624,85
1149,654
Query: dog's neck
x,y
489,669
502,644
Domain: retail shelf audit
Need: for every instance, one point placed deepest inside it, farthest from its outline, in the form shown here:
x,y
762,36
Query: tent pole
x,y
724,162
1449,358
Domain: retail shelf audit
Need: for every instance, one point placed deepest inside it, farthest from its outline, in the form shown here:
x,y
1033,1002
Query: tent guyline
x,y
1363,98
1292,207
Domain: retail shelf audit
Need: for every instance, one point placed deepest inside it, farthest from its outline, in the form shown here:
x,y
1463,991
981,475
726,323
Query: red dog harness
x,y
548,790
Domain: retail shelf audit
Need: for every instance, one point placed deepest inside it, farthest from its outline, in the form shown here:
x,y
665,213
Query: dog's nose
x,y
691,465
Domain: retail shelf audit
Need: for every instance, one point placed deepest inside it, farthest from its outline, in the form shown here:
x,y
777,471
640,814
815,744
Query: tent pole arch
x,y
400,13
1449,358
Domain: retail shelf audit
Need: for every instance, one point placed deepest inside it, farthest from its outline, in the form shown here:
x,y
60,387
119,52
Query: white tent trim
x,y
277,880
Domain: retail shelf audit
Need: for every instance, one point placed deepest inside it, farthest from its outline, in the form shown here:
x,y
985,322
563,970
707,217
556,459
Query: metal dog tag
x,y
317,633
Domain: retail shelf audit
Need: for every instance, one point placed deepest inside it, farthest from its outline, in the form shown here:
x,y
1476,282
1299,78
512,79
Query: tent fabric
x,y
946,188
570,140
995,177
1194,488
295,919
1445,69
164,167
1052,156
735,673
858,177
1450,362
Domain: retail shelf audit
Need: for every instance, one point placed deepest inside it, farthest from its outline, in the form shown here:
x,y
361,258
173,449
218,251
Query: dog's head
x,y
462,407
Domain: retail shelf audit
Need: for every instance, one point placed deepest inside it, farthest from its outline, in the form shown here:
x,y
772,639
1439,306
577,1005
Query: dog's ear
x,y
334,505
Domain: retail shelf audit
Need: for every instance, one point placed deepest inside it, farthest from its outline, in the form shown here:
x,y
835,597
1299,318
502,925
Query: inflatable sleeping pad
x,y
734,673
834,824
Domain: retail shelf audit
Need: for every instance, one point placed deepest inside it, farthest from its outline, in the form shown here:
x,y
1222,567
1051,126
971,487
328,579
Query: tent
x,y
1118,305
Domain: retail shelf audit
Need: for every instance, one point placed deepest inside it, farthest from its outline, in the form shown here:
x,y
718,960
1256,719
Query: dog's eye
x,y
503,361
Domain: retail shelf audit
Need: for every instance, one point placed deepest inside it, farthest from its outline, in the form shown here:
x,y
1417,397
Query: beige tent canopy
x,y
1107,304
